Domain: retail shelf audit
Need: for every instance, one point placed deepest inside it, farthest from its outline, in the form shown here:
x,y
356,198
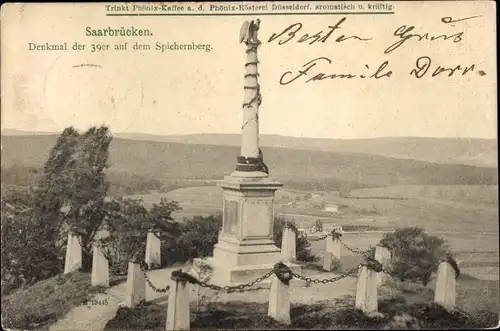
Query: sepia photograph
x,y
321,165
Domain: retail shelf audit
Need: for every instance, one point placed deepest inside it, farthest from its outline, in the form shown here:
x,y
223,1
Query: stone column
x,y
153,250
279,301
445,293
100,266
366,291
178,307
288,245
136,285
73,259
383,255
250,126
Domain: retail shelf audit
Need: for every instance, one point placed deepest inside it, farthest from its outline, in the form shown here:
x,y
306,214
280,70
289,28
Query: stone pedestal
x,y
136,285
73,259
445,292
246,249
153,250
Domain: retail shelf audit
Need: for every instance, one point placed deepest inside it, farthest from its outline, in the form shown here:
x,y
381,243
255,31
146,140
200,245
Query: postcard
x,y
249,165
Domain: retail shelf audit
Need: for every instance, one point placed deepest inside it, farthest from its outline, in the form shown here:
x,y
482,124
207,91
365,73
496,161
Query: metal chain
x,y
353,250
385,271
304,235
156,289
229,289
329,280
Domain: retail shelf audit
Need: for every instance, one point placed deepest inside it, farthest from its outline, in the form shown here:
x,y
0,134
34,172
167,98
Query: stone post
x,y
153,250
73,259
178,307
331,258
100,266
366,291
445,292
279,301
136,285
288,245
384,256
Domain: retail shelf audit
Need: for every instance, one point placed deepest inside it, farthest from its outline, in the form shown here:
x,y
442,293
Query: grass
x,y
398,312
45,302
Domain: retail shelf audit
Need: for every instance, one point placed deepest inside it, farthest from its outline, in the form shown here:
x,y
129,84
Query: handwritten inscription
x,y
291,32
423,64
316,70
289,77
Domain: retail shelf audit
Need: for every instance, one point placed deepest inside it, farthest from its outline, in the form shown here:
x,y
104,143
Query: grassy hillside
x,y
472,151
337,170
481,152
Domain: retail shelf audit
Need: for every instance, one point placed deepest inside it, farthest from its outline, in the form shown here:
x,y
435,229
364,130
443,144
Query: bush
x,y
197,239
416,255
303,245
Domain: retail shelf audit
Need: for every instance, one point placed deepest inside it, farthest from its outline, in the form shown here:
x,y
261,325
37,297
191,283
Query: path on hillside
x,y
94,318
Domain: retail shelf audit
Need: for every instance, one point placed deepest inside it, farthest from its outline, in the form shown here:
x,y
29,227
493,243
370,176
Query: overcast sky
x,y
187,92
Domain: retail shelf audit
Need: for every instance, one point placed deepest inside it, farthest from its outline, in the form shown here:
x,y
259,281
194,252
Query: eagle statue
x,y
248,32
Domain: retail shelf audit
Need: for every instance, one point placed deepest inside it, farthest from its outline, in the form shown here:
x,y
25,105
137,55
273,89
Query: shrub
x,y
303,245
197,239
416,255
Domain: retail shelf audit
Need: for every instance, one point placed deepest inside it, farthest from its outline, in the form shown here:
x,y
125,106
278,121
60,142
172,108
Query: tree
x,y
88,187
42,241
416,255
197,239
160,218
126,219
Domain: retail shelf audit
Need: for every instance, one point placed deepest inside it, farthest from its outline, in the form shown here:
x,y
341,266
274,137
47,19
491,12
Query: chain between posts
x,y
241,287
281,270
144,268
292,226
355,251
328,280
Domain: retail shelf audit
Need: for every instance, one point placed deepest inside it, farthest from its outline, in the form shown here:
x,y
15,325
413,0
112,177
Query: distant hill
x,y
167,160
471,151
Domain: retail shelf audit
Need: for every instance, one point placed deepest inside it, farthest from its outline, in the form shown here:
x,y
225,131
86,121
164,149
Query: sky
x,y
185,92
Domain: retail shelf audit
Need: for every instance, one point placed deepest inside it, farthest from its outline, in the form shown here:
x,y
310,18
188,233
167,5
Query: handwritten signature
x,y
423,67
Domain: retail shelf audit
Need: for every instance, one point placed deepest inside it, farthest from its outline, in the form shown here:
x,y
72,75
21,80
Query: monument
x,y
245,249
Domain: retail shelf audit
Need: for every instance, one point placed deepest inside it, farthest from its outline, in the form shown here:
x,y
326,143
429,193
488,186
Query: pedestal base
x,y
246,250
